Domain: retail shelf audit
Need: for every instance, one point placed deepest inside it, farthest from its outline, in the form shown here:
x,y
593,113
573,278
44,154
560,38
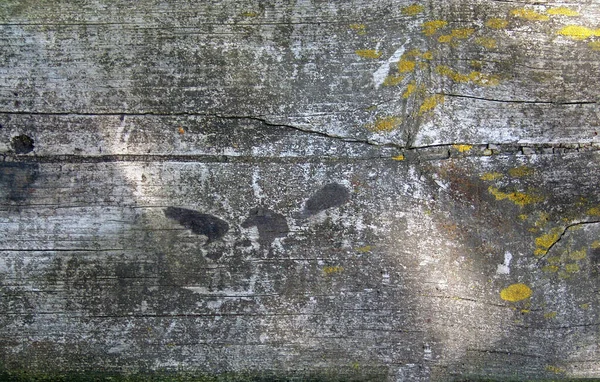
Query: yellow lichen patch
x,y
542,220
489,176
430,27
519,172
554,369
406,66
595,45
486,42
392,80
368,53
519,198
515,292
399,157
584,306
249,14
332,270
550,268
578,255
528,14
463,148
579,32
572,268
525,311
553,260
523,217
427,55
410,89
483,79
595,244
385,124
549,315
430,103
359,28
562,11
475,77
547,240
594,211
365,249
462,33
444,39
496,23
412,10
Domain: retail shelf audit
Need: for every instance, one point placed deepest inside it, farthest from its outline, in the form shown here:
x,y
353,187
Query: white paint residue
x,y
382,72
504,268
258,192
221,293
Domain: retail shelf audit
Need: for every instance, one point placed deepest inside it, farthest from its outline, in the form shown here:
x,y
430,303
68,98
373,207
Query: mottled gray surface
x,y
384,189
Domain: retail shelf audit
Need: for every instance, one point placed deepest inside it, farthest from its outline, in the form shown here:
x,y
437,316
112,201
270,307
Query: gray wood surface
x,y
360,190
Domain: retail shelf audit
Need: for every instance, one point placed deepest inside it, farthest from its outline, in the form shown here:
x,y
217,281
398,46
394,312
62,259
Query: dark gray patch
x,y
331,195
22,144
16,179
595,256
201,224
271,225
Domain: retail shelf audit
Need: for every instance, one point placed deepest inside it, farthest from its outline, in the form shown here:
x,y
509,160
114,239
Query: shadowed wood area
x,y
378,190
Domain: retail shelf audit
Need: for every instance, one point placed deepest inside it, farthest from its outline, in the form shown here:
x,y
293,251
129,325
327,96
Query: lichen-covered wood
x,y
339,190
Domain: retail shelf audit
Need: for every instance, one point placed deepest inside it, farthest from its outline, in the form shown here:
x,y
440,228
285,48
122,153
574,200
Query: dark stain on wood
x,y
331,195
16,180
270,224
200,224
22,144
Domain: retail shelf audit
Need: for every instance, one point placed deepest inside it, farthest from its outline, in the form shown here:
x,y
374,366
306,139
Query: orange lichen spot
x,y
410,89
572,268
399,157
385,124
578,255
368,53
430,103
547,240
495,23
516,292
406,66
594,211
578,32
550,315
489,176
463,148
486,42
462,33
519,198
595,45
249,14
332,270
181,130
412,10
519,172
359,28
550,268
528,14
365,249
431,27
562,11
392,80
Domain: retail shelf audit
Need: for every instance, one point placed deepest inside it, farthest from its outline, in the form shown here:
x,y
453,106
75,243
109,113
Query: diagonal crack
x,y
563,233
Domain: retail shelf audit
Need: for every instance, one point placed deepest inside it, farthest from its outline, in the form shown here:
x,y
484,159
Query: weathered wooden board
x,y
357,190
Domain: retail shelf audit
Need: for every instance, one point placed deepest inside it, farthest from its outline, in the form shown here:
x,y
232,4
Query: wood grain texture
x,y
357,190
